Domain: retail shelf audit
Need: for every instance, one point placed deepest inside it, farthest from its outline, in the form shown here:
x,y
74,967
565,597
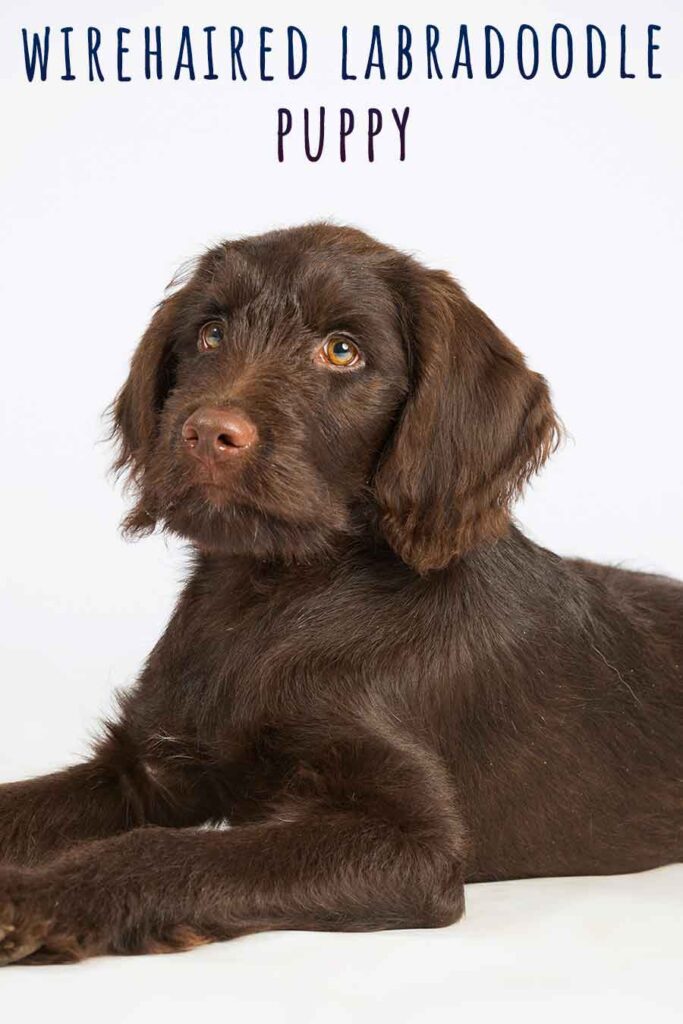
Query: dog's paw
x,y
30,931
22,928
57,915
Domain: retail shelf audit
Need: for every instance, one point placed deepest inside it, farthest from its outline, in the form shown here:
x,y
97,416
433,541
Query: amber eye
x,y
210,336
339,350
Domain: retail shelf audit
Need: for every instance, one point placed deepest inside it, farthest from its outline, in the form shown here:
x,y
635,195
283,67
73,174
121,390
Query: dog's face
x,y
277,372
311,384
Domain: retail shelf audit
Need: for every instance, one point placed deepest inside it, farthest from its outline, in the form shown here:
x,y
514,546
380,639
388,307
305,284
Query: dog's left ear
x,y
476,426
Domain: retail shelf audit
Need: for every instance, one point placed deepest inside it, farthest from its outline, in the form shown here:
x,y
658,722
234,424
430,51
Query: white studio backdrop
x,y
555,203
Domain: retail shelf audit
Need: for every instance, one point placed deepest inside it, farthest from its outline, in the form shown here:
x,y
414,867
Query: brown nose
x,y
214,435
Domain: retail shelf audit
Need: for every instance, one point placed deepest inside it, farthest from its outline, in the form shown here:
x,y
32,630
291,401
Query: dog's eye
x,y
210,336
339,350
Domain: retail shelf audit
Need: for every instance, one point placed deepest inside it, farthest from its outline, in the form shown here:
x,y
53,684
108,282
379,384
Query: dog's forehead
x,y
317,278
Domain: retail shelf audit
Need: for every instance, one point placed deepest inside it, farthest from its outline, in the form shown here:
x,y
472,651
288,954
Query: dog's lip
x,y
207,475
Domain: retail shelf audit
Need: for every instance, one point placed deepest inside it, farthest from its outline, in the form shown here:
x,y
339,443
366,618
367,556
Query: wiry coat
x,y
371,674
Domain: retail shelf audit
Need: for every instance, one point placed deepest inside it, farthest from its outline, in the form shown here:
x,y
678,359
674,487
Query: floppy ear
x,y
135,411
476,426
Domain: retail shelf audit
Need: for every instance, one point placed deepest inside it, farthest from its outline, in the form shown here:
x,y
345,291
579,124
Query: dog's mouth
x,y
271,511
215,491
212,477
216,482
225,497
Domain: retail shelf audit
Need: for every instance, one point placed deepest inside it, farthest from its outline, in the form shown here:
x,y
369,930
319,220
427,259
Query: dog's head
x,y
309,384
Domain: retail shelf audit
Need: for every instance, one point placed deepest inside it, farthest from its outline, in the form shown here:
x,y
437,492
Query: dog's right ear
x,y
135,410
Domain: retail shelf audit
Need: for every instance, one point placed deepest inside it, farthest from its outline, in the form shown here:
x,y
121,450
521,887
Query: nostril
x,y
190,435
227,441
235,432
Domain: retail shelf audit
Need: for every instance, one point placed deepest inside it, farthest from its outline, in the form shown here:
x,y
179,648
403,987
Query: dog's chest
x,y
245,652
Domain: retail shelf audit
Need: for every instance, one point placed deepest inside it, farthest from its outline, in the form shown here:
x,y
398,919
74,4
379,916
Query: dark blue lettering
x,y
570,51
156,52
94,40
39,54
491,32
524,30
376,56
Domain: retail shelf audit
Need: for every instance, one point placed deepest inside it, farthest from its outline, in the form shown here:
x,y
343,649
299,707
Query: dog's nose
x,y
214,435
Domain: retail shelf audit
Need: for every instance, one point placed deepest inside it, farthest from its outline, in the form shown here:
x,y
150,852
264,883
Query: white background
x,y
555,203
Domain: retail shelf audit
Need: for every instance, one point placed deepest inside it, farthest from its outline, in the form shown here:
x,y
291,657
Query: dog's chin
x,y
218,520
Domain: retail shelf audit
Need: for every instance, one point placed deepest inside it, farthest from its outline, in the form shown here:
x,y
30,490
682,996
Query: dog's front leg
x,y
375,859
155,889
41,817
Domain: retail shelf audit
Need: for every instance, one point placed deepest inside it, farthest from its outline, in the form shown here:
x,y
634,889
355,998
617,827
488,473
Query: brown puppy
x,y
371,674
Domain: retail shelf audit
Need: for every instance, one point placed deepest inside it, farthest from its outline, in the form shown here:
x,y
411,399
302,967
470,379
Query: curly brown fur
x,y
381,685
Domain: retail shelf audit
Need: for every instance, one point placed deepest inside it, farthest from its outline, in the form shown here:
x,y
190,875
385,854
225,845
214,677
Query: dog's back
x,y
586,756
